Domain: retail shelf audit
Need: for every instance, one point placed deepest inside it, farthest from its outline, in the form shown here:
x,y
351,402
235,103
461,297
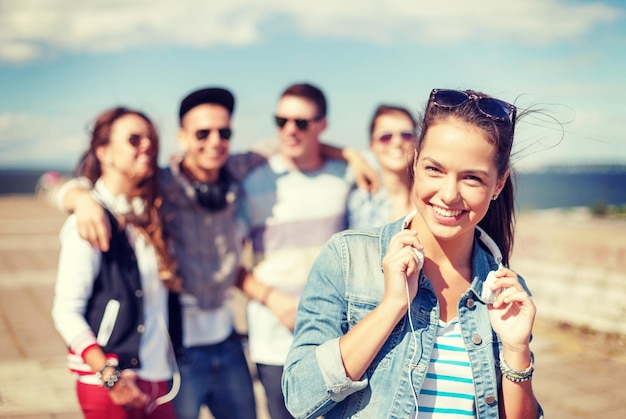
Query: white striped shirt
x,y
448,389
291,215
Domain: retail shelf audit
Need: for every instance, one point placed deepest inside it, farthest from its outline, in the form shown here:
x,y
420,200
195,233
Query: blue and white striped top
x,y
448,389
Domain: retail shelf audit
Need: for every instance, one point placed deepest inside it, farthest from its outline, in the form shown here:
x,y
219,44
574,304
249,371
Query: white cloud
x,y
18,51
529,22
15,126
36,139
31,29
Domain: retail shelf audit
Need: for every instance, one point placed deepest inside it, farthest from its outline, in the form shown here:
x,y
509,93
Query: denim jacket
x,y
345,284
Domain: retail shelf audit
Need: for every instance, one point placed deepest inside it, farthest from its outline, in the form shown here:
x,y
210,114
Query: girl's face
x,y
130,152
393,141
455,178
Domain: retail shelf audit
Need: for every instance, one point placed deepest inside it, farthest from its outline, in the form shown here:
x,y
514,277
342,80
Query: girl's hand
x,y
93,223
512,315
126,393
400,266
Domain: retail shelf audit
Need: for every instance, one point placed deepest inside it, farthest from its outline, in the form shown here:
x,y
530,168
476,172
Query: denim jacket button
x,y
469,303
490,400
477,339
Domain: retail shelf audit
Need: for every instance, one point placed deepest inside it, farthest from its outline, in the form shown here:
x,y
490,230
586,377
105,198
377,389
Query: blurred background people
x,y
392,138
201,192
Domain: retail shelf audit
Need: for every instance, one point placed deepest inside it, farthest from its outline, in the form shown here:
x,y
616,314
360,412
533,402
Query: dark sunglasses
x,y
490,107
302,124
405,135
135,139
203,134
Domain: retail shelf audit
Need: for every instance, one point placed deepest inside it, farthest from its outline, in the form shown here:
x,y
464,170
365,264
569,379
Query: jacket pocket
x,y
357,310
111,311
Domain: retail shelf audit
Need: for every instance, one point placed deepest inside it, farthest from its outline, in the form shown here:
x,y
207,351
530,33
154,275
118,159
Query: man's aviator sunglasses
x,y
203,134
490,107
301,124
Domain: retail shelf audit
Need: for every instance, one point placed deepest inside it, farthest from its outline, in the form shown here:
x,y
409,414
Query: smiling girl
x,y
378,334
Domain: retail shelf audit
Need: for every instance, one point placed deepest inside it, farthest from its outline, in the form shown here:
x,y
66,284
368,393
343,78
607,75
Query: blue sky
x,y
62,62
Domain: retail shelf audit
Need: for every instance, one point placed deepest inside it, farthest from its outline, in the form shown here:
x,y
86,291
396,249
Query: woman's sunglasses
x,y
404,135
490,107
135,139
301,124
203,134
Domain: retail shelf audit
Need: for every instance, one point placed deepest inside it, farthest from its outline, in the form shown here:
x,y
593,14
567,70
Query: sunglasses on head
x,y
490,107
404,135
302,124
203,134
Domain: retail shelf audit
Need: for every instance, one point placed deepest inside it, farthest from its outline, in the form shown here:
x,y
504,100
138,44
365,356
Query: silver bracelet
x,y
515,375
113,378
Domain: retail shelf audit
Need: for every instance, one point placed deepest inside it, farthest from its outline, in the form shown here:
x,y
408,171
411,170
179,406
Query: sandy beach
x,y
574,264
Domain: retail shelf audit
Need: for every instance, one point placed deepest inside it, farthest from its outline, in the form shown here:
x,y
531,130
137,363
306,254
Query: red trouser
x,y
97,404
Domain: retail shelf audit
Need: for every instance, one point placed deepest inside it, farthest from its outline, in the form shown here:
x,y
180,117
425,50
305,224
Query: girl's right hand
x,y
93,223
126,392
400,267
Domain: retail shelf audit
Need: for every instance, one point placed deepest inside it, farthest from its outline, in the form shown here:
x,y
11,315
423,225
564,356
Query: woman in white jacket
x,y
110,307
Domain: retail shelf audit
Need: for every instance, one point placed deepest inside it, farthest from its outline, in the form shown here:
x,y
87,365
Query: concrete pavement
x,y
579,374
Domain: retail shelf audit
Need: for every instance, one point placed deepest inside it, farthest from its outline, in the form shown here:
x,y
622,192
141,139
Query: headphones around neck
x,y
491,245
487,294
213,196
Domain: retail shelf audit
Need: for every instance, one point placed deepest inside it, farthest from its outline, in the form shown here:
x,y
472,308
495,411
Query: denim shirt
x,y
345,284
368,209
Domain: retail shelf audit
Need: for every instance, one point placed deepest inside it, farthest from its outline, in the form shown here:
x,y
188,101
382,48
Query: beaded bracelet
x,y
515,375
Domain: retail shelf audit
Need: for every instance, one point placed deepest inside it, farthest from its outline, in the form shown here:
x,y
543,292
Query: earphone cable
x,y
410,369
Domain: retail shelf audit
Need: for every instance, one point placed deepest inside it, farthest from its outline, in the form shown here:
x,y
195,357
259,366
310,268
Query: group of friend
x,y
366,280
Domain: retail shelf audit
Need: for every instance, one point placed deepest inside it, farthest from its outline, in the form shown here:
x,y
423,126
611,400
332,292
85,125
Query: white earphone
x,y
487,295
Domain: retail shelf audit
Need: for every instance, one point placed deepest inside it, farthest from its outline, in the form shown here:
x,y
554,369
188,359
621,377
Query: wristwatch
x,y
111,379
